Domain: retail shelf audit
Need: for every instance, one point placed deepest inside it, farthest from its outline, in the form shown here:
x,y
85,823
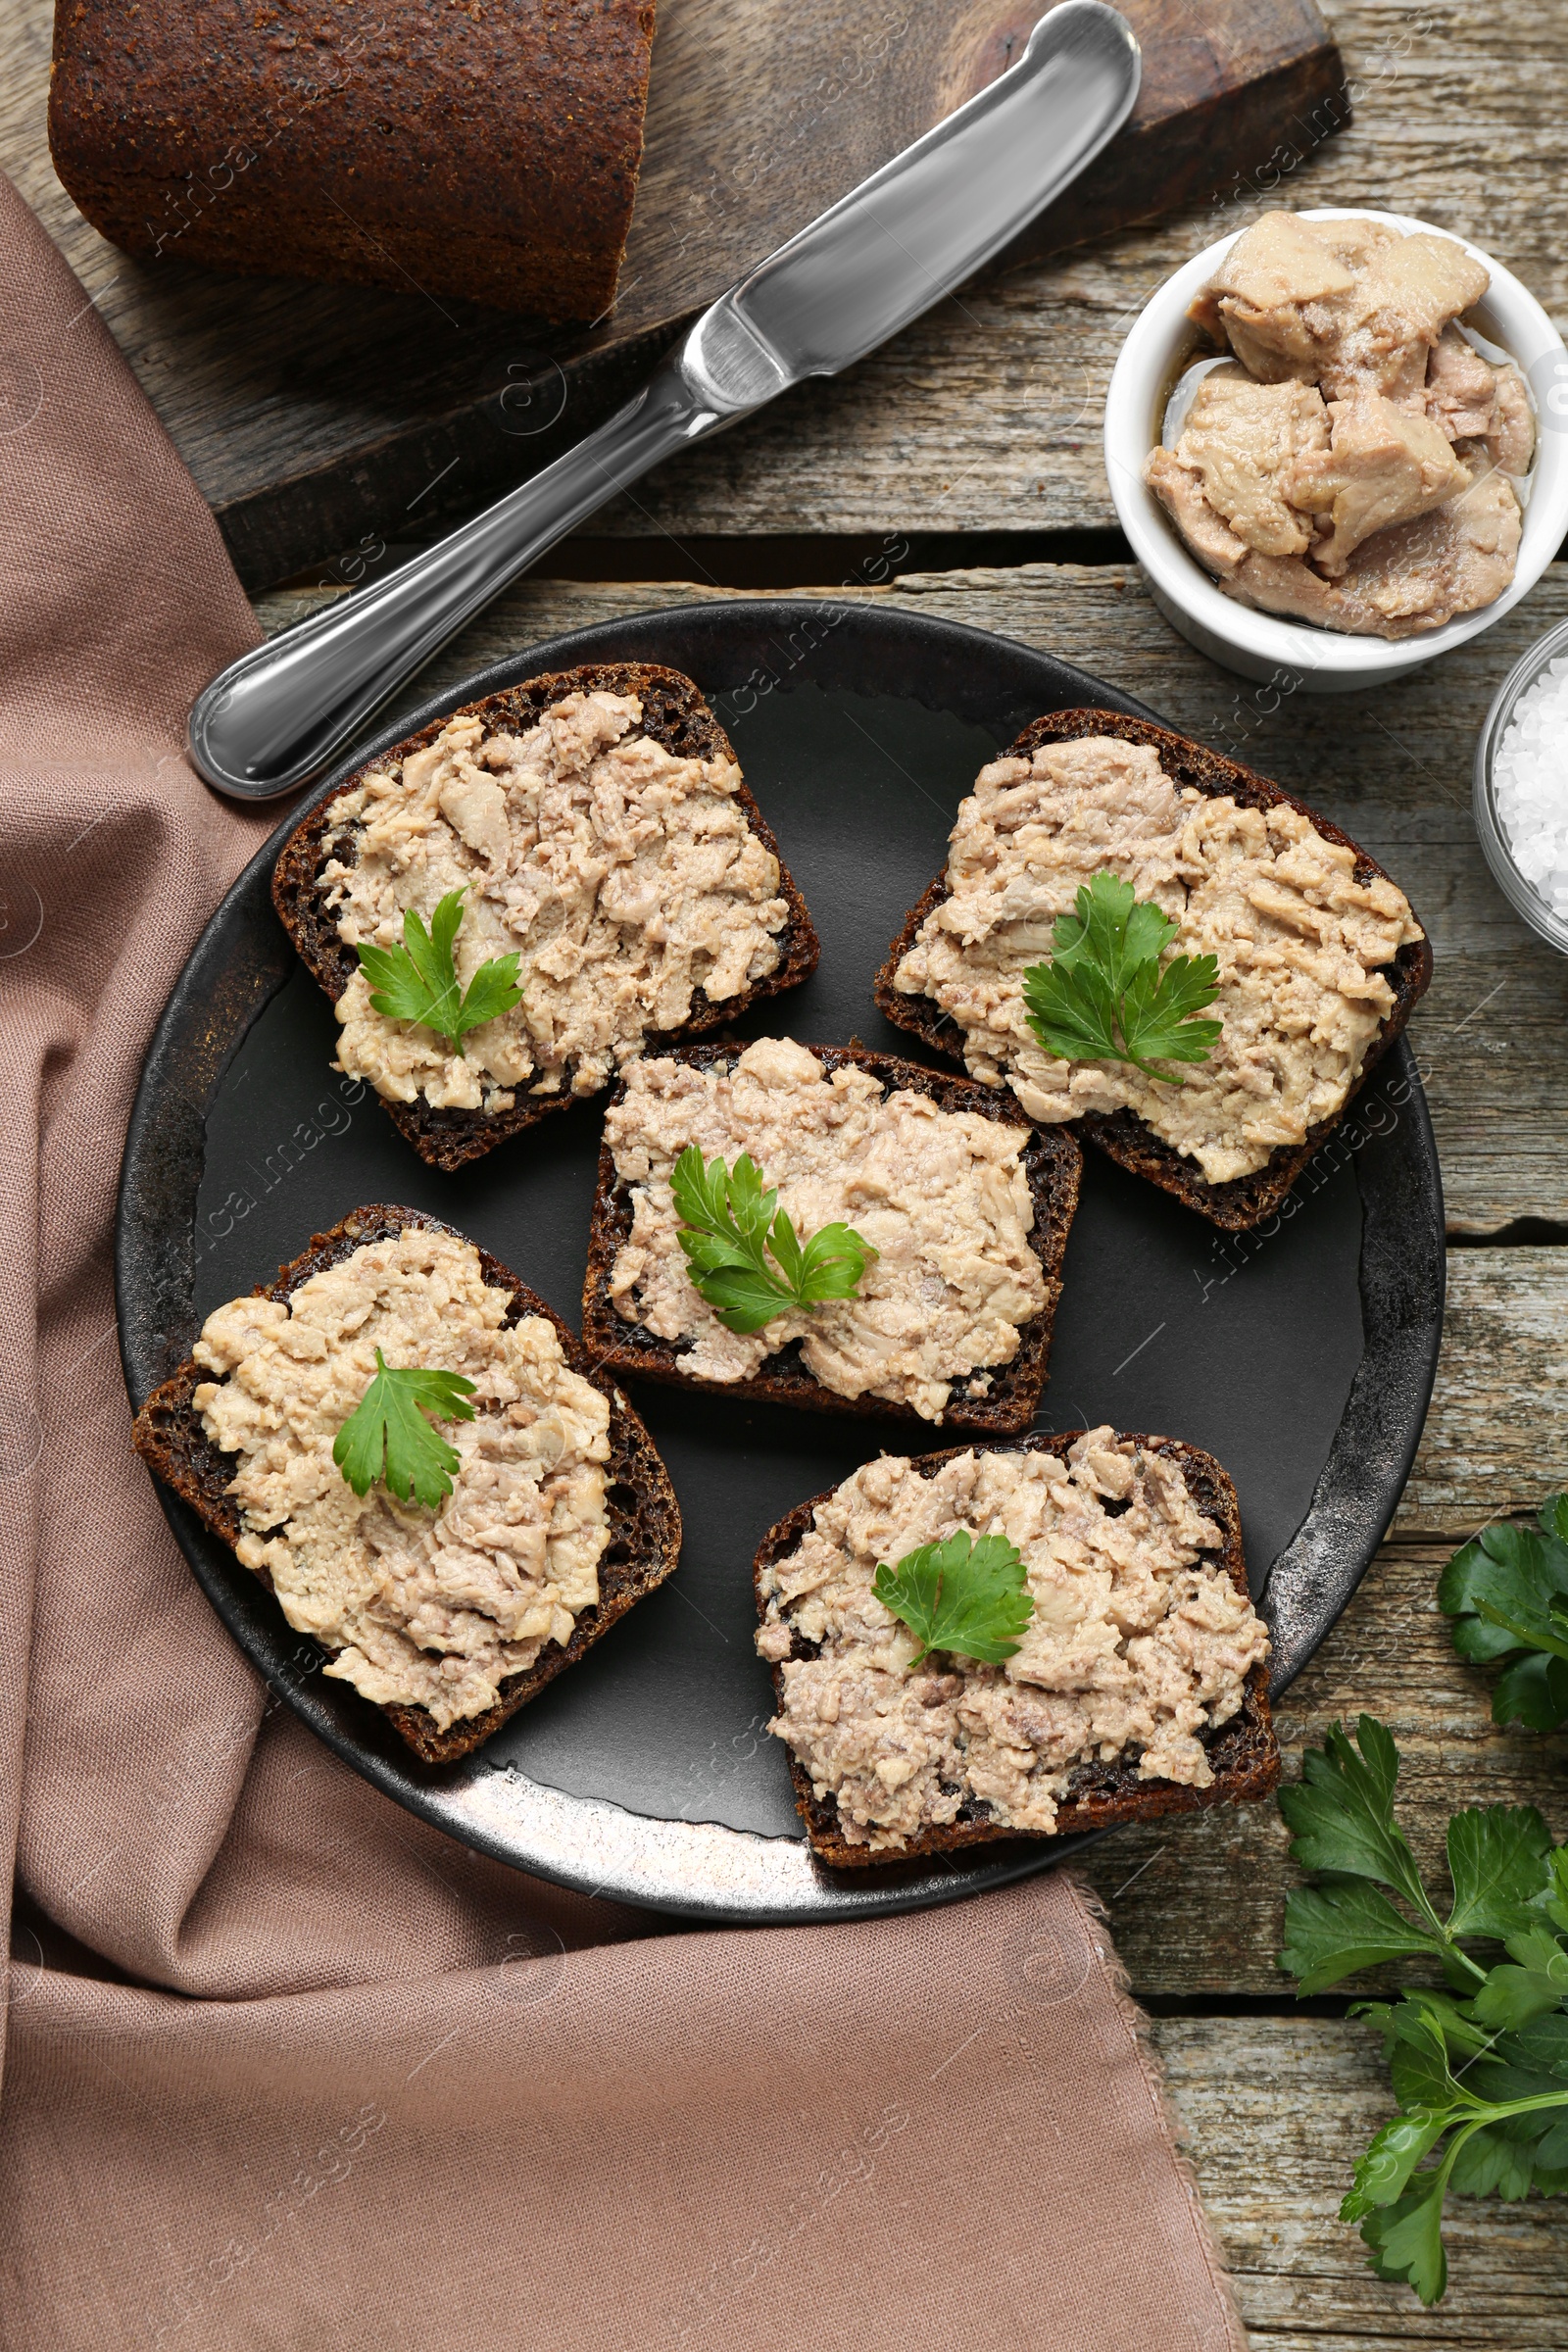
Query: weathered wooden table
x,y
985,419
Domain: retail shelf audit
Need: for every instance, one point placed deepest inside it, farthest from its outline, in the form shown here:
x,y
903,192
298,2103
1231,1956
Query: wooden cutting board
x,y
313,417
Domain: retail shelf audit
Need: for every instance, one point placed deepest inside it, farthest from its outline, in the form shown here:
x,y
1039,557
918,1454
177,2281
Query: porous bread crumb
x,y
1299,944
624,877
943,1196
424,1608
1138,1645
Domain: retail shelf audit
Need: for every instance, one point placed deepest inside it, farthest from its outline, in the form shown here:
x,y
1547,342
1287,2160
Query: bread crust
x,y
487,152
645,1517
1122,1135
674,715
1054,1165
1244,1753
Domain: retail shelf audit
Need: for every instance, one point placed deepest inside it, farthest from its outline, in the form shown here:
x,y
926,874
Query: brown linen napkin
x,y
285,2066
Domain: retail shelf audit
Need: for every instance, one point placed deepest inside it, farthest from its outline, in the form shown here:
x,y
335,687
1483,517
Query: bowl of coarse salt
x,y
1521,787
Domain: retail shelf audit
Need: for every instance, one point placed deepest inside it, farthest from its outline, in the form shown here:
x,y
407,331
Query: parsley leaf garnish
x,y
1103,997
730,1226
418,981
1479,2071
387,1435
1507,1592
970,1596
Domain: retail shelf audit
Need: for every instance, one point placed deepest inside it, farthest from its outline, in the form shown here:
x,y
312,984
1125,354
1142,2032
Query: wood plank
x,y
311,414
1272,2110
1497,1436
1394,769
1197,1906
983,417
988,417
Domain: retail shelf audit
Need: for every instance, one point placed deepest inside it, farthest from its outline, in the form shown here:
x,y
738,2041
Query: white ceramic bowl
x,y
1290,653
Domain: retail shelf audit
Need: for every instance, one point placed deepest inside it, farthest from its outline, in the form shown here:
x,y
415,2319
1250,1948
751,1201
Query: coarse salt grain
x,y
1530,784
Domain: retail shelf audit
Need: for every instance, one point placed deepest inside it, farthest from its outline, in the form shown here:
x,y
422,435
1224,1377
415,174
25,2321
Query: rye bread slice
x,y
1052,1163
645,1518
676,716
1123,1136
1244,1753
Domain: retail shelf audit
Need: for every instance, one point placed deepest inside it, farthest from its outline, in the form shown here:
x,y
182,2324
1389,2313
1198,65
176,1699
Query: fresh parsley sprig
x,y
966,1594
418,981
387,1435
1103,997
730,1229
1479,2071
1507,1593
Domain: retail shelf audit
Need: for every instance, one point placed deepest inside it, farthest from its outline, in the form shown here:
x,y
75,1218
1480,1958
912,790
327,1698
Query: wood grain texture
x,y
1196,1907
1393,768
987,415
311,415
1269,2109
1497,1437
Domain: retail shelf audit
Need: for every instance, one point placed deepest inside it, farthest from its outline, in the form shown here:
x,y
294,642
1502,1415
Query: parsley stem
x,y
1452,1944
1147,1067
1452,1948
1499,2113
1479,2122
924,1650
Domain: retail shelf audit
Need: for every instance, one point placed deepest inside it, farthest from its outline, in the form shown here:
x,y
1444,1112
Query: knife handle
x,y
274,718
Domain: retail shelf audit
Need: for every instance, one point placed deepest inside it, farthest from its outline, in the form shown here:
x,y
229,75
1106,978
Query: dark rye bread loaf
x,y
644,1516
490,152
1244,1754
1123,1136
1053,1165
676,716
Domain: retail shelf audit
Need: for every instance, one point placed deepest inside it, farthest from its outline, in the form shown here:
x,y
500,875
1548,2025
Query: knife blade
x,y
885,253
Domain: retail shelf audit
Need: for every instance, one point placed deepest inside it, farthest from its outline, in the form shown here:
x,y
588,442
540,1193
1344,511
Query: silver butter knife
x,y
886,252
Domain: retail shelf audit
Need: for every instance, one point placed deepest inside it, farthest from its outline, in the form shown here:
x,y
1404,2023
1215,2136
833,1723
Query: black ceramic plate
x,y
1301,1355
